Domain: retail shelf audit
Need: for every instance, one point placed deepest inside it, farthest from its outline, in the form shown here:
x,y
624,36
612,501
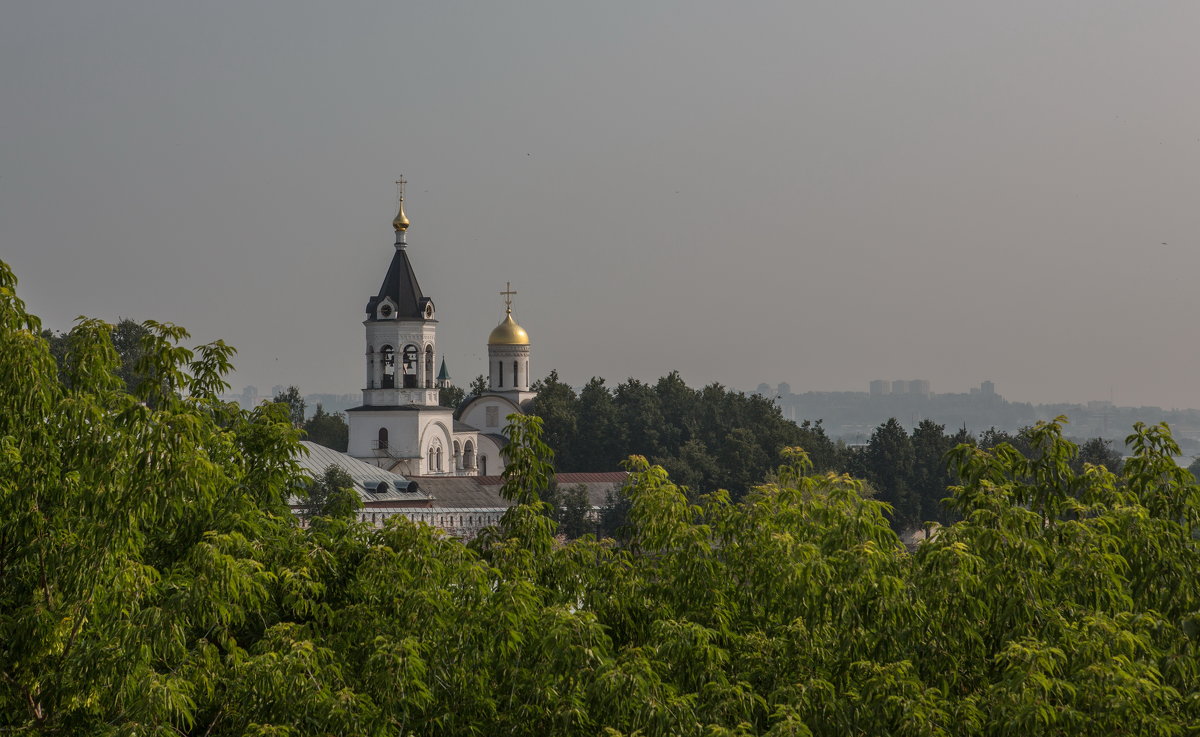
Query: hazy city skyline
x,y
820,194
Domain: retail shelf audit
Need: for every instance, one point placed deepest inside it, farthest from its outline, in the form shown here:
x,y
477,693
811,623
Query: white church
x,y
407,455
400,427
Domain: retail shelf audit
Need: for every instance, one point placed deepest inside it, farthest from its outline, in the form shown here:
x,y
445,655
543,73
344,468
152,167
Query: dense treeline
x,y
710,438
910,471
153,582
714,438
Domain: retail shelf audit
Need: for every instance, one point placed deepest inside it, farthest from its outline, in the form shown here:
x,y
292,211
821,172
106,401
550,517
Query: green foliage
x,y
128,340
992,438
571,510
131,527
153,582
603,444
1195,468
912,472
327,429
1098,452
709,438
613,519
889,465
451,396
930,474
556,405
331,495
292,399
479,386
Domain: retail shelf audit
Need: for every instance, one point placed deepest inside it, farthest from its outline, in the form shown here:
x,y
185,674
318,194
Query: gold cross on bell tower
x,y
508,295
400,224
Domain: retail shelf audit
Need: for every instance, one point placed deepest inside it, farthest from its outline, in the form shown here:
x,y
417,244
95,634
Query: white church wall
x,y
436,437
478,416
489,461
406,434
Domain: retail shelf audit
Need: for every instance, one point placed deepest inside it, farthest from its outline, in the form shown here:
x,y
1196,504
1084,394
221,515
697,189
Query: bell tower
x,y
400,425
401,332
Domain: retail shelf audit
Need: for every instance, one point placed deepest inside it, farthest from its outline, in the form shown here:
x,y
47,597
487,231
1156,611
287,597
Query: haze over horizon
x,y
815,193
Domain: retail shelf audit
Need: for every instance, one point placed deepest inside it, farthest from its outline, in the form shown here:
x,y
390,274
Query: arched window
x,y
500,376
469,455
429,366
516,376
387,362
483,465
439,458
410,366
457,456
430,459
382,443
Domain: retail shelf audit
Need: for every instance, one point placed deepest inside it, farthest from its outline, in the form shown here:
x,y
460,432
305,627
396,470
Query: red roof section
x,y
588,478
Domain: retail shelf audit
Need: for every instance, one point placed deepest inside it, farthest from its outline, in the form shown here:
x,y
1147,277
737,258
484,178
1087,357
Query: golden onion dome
x,y
508,332
400,224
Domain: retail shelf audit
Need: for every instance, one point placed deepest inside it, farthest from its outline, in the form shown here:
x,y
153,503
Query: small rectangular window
x,y
493,416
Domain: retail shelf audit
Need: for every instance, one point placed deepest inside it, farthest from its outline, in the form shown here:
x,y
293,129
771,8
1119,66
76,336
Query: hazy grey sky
x,y
821,193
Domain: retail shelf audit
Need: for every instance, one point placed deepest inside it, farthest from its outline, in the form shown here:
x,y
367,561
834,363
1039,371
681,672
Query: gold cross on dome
x,y
508,295
400,187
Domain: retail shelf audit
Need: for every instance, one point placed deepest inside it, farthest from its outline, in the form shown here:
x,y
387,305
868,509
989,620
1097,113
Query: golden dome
x,y
400,224
508,333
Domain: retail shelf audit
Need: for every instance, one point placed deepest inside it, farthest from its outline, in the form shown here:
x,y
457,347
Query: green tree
x,y
694,467
889,466
331,494
126,569
558,407
680,414
993,438
824,453
742,461
571,510
641,416
479,386
930,477
451,396
613,518
294,402
602,446
1098,452
328,429
128,340
708,439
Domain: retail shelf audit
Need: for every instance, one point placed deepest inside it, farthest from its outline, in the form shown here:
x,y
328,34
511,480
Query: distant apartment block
x,y
915,387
